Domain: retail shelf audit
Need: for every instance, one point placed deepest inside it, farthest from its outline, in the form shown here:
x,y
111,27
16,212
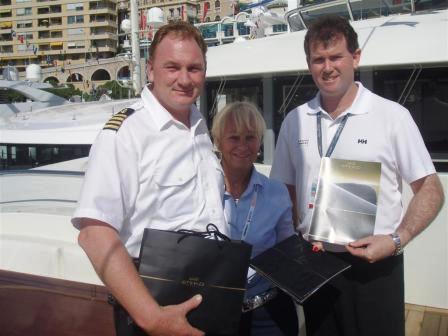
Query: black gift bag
x,y
176,265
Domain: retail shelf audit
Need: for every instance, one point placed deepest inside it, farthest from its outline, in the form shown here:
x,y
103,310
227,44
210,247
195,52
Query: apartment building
x,y
56,32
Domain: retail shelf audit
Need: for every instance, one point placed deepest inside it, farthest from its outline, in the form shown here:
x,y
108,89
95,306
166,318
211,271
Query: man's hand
x,y
372,248
172,320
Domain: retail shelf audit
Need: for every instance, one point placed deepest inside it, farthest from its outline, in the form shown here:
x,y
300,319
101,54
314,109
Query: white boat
x,y
36,96
404,55
47,283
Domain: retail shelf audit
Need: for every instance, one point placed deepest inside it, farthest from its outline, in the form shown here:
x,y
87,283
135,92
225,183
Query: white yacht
x,y
404,58
35,94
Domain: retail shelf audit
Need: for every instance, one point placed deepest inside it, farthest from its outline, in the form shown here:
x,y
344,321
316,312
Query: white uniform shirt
x,y
153,172
377,130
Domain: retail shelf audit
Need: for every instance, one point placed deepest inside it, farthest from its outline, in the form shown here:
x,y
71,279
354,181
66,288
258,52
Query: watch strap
x,y
397,241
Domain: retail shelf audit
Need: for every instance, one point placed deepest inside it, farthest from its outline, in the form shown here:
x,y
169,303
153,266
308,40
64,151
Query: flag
x,y
142,23
206,8
21,38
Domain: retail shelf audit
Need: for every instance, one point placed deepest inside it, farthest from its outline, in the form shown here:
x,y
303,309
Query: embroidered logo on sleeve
x,y
116,121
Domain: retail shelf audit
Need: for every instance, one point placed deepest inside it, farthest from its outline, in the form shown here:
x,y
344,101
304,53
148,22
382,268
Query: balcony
x,y
5,13
103,20
6,49
102,5
55,21
5,25
44,34
49,10
43,22
50,34
5,41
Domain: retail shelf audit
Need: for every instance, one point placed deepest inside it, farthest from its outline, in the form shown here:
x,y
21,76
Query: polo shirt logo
x,y
362,141
303,141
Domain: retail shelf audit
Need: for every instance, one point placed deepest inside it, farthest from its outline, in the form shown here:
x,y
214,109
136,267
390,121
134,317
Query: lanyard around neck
x,y
250,214
335,139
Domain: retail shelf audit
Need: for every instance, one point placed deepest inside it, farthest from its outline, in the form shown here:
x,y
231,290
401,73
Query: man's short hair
x,y
244,115
329,28
181,29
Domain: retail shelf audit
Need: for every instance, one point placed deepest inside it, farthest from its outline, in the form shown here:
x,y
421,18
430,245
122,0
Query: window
x,y
75,31
24,24
76,45
217,4
24,36
56,34
75,19
75,6
24,11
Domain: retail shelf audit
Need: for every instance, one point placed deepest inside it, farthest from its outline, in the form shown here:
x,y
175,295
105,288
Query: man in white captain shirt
x,y
152,166
347,121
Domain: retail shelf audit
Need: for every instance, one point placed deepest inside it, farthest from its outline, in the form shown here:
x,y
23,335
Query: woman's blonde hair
x,y
244,115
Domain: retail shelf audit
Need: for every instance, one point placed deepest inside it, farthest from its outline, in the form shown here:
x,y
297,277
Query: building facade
x,y
56,33
81,42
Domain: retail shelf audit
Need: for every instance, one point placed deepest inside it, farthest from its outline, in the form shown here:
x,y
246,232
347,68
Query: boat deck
x,y
426,321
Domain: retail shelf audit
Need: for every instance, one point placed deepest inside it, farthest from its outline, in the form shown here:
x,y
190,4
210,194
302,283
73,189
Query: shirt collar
x,y
255,180
315,105
162,118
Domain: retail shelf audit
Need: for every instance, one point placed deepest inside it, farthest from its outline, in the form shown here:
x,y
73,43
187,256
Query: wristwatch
x,y
397,241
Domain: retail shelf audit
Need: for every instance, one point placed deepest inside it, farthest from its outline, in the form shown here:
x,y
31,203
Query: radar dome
x,y
34,73
10,73
126,25
154,17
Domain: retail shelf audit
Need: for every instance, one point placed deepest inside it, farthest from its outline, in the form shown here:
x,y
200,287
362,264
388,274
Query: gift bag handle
x,y
211,231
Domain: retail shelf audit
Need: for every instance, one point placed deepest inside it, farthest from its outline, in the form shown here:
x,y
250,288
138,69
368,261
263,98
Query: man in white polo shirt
x,y
152,166
347,121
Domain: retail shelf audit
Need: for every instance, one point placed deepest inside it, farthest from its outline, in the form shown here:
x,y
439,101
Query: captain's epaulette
x,y
116,121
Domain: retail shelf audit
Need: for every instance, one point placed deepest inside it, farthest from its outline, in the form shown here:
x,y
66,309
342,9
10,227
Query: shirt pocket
x,y
176,184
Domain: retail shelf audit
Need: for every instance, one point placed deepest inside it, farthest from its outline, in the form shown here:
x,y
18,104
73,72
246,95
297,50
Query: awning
x,y
56,44
2,11
6,24
18,57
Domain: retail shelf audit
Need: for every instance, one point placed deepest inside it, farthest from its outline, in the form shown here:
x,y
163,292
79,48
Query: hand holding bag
x,y
176,265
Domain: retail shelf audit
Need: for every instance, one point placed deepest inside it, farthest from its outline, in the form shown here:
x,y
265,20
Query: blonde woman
x,y
258,211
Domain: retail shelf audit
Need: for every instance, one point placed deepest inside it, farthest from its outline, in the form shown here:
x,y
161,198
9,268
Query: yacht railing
x,y
40,191
230,29
354,10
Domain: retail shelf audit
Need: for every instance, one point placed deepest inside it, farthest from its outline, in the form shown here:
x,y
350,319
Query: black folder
x,y
292,266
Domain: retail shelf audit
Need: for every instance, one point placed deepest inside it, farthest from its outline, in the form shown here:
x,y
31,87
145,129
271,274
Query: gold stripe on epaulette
x,y
115,122
112,128
118,117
